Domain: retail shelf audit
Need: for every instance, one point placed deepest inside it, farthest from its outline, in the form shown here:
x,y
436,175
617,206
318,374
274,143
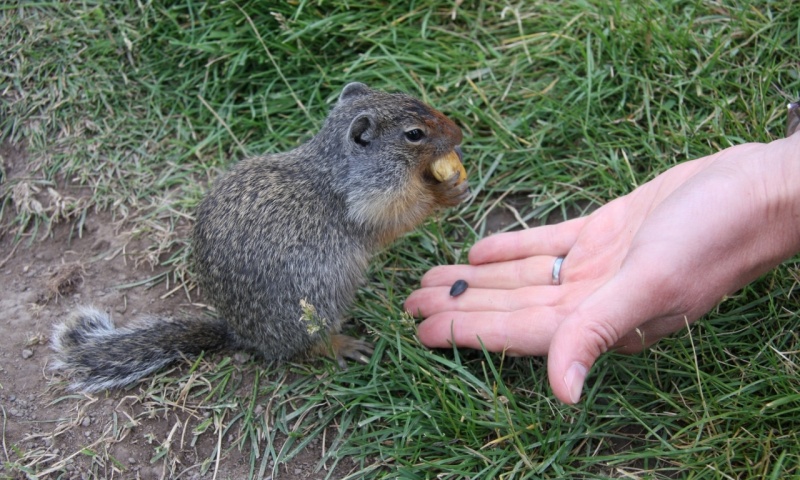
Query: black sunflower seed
x,y
458,288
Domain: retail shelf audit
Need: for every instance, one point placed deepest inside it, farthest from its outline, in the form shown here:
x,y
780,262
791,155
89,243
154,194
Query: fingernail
x,y
574,378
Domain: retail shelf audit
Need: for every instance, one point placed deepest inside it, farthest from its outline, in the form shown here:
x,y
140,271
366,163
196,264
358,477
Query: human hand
x,y
636,270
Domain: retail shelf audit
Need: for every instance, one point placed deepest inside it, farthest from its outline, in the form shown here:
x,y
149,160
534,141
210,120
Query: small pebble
x,y
241,357
458,288
27,353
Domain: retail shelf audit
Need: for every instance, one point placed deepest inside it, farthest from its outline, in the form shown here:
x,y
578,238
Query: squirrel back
x,y
281,242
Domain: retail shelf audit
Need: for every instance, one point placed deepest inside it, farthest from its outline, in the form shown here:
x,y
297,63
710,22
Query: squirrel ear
x,y
362,129
352,90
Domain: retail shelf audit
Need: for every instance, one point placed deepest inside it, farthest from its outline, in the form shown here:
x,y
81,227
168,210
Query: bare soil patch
x,y
50,432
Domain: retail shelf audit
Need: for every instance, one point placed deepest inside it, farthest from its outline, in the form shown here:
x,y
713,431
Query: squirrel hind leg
x,y
342,348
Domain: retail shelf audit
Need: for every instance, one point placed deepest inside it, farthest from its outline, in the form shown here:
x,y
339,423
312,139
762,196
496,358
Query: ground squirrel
x,y
287,237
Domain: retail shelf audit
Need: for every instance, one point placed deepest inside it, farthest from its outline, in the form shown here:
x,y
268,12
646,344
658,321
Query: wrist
x,y
776,172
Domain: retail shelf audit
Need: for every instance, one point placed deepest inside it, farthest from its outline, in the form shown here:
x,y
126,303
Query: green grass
x,y
134,107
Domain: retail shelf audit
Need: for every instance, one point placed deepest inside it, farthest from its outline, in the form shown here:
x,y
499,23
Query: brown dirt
x,y
112,434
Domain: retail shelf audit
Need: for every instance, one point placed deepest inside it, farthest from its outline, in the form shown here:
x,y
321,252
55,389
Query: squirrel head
x,y
380,120
394,147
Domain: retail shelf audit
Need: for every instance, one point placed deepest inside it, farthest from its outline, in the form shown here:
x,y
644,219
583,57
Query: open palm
x,y
635,270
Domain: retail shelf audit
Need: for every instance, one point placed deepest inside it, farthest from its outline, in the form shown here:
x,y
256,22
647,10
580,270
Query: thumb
x,y
596,325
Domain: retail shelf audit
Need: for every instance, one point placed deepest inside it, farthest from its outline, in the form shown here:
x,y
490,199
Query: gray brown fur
x,y
278,229
793,119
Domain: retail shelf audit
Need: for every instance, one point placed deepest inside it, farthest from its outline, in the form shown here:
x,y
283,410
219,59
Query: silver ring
x,y
557,270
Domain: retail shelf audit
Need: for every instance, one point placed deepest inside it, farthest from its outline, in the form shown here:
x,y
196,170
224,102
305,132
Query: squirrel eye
x,y
414,135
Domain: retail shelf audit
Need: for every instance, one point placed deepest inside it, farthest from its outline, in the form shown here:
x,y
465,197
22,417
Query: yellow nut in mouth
x,y
443,168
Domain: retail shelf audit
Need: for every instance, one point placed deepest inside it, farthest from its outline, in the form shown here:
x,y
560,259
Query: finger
x,y
430,301
446,275
551,240
596,325
523,332
537,270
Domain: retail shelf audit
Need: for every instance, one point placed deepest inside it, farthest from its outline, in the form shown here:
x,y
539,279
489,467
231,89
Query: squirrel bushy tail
x,y
101,356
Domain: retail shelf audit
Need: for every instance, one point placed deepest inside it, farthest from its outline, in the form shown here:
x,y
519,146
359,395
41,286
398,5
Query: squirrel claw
x,y
451,192
345,348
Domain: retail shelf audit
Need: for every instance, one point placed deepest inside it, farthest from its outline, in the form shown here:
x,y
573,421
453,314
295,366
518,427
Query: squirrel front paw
x,y
451,191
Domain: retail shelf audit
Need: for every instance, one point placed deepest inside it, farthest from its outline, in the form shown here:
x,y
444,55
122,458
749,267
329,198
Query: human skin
x,y
637,269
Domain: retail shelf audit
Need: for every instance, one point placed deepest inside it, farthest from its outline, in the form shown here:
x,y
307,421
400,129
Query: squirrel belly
x,y
99,356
